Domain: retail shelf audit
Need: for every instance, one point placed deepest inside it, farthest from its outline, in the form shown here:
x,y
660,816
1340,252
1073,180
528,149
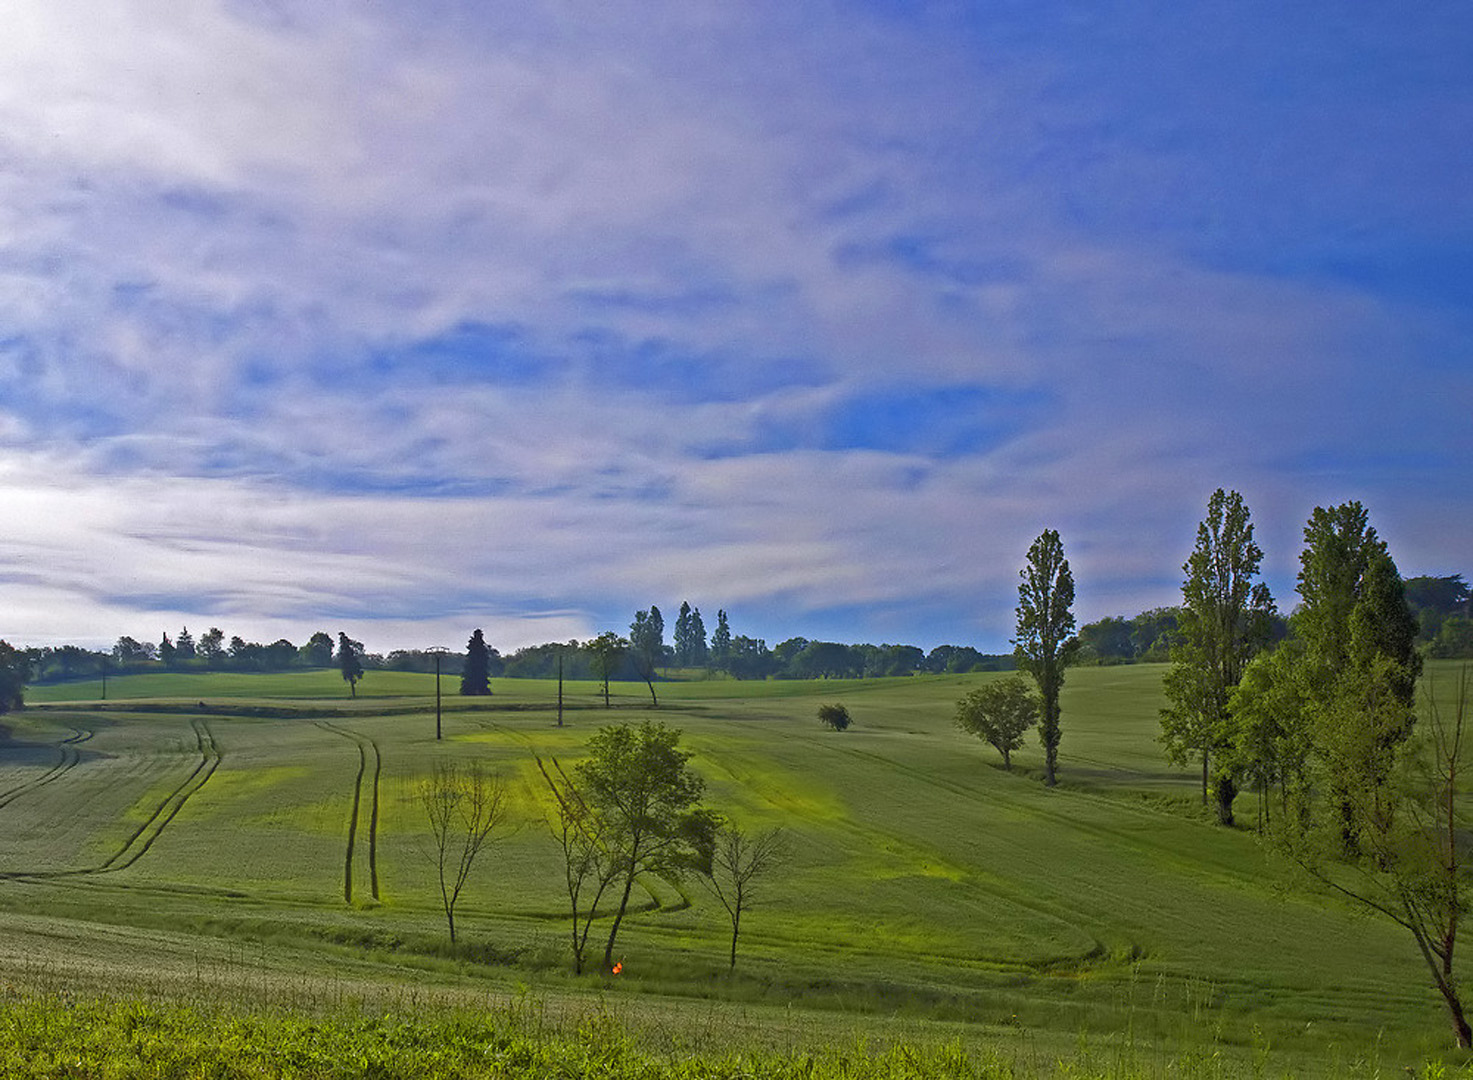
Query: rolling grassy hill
x,y
190,821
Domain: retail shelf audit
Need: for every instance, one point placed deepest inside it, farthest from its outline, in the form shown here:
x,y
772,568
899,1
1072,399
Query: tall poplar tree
x,y
721,643
684,637
1045,644
1226,617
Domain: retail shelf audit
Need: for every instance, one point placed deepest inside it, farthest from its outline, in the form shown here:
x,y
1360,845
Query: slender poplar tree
x,y
1045,644
1226,618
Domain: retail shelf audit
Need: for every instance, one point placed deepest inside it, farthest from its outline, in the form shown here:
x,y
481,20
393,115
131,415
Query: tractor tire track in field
x,y
144,836
367,749
70,755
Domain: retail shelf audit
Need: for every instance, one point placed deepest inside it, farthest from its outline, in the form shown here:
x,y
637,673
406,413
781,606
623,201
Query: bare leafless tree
x,y
465,806
739,860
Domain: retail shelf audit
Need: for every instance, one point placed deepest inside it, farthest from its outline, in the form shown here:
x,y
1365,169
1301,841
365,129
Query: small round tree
x,y
1000,712
835,716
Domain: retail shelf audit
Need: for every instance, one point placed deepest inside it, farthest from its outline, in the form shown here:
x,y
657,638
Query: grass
x,y
929,890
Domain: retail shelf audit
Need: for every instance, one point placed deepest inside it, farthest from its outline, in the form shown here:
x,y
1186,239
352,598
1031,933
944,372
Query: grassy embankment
x,y
154,846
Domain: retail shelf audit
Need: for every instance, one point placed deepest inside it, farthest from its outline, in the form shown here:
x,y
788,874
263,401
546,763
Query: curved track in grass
x,y
144,836
70,755
367,750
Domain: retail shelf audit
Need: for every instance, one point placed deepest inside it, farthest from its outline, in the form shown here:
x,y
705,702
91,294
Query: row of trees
x,y
1245,711
749,658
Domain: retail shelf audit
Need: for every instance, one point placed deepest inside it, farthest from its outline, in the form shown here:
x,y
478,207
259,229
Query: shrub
x,y
835,716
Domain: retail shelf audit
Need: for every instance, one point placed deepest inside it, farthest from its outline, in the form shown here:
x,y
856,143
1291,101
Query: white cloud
x,y
221,232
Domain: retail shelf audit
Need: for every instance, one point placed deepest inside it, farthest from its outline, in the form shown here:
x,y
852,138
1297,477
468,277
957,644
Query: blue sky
x,y
405,319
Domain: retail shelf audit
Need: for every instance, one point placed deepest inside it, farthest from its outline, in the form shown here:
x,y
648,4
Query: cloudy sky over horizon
x,y
404,319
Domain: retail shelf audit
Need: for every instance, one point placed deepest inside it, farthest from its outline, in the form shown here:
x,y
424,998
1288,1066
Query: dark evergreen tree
x,y
721,643
682,636
318,650
700,655
184,645
350,662
475,677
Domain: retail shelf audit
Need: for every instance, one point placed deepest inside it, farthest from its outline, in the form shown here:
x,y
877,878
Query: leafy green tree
x,y
739,862
1354,618
167,651
834,716
1108,640
1045,643
608,651
464,808
1225,619
15,672
1435,599
350,662
128,652
637,783
212,647
1408,863
1271,725
475,676
1454,639
316,653
647,646
721,643
826,660
1000,712
1154,634
750,658
591,863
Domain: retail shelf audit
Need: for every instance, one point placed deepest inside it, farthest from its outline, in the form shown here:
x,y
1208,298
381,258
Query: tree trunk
x,y
736,922
618,918
1226,792
1461,1031
1007,761
1204,777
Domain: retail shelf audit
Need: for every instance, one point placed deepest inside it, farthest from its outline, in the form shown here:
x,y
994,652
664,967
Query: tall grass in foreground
x,y
64,1036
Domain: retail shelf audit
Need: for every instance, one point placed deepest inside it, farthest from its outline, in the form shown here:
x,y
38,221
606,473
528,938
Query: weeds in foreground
x,y
58,1035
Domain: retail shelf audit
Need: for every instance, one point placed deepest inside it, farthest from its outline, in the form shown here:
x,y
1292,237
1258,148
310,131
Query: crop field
x,y
262,837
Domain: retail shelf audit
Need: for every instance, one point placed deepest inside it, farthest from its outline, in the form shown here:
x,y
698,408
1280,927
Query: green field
x,y
188,838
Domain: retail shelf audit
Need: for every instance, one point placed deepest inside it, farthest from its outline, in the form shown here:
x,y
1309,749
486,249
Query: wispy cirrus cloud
x,y
528,318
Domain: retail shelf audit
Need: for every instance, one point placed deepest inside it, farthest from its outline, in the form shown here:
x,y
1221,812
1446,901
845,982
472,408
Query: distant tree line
x,y
643,654
211,651
1442,607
